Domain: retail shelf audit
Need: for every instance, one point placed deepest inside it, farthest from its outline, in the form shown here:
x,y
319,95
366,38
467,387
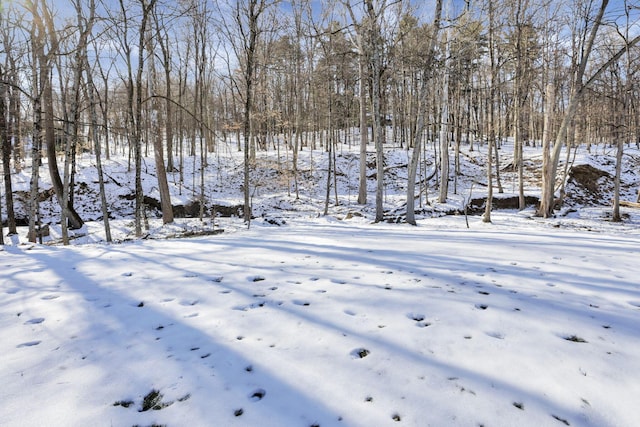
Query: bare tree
x,y
359,40
426,72
134,87
4,143
243,39
626,104
492,116
156,110
374,45
9,117
46,37
551,157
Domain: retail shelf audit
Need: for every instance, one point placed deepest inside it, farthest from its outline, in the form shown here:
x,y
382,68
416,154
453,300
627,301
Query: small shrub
x,y
575,338
153,400
123,403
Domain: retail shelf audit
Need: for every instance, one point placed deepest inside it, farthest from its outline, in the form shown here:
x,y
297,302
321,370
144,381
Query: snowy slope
x,y
272,186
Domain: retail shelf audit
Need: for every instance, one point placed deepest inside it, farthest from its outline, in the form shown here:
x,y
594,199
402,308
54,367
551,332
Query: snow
x,y
311,320
269,326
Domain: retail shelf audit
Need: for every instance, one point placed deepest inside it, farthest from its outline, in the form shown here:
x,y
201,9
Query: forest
x,y
336,213
456,88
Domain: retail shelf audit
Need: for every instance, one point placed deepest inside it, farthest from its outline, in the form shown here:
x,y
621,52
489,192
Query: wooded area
x,y
177,78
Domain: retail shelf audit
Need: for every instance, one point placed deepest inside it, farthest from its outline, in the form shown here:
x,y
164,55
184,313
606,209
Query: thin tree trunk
x,y
421,113
36,147
98,152
255,9
491,125
5,146
364,130
616,217
444,145
158,148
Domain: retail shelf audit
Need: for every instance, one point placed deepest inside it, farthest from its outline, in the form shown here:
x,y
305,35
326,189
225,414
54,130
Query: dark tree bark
x,y
5,146
44,20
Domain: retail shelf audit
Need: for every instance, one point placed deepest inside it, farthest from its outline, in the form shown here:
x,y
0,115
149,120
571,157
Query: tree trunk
x,y
616,192
374,40
364,132
69,213
444,146
158,148
98,152
5,146
420,120
491,125
36,147
550,162
254,10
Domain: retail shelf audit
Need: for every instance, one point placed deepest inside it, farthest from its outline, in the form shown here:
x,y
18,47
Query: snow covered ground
x,y
326,320
323,322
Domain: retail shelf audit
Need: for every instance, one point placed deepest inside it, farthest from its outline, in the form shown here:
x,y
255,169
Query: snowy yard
x,y
327,323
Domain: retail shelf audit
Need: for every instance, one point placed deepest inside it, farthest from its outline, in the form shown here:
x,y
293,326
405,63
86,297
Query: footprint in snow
x,y
256,278
301,302
28,344
217,279
359,353
48,297
35,321
186,302
419,319
482,306
350,312
257,395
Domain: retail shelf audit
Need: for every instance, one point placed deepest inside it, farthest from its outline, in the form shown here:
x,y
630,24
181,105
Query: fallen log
x,y
627,204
